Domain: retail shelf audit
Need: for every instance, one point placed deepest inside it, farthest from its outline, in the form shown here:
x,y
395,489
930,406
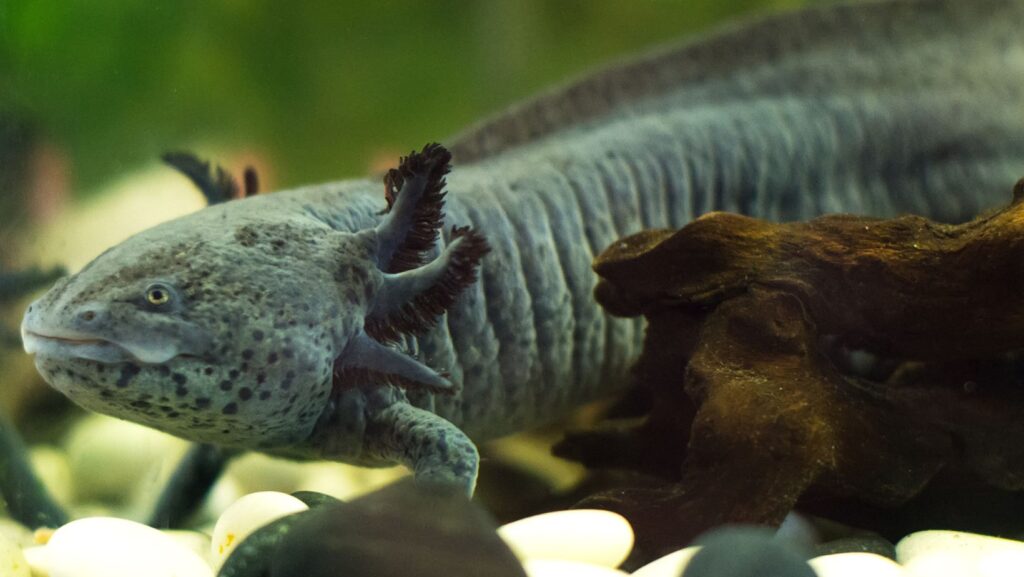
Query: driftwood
x,y
748,325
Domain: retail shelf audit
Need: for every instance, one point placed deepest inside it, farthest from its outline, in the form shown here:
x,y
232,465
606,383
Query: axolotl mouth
x,y
69,345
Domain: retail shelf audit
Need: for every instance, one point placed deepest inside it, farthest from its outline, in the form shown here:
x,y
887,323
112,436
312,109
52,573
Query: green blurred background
x,y
319,90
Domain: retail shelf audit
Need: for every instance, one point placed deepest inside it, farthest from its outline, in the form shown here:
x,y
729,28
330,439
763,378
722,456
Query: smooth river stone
x,y
856,565
582,535
967,545
954,553
12,560
409,528
966,563
110,547
745,551
670,565
247,515
559,568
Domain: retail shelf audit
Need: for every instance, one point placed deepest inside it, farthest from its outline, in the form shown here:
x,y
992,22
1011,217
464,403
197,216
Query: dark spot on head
x,y
233,374
245,393
208,371
258,335
226,385
247,354
179,378
272,358
164,371
181,391
202,402
230,409
264,395
261,378
246,235
128,373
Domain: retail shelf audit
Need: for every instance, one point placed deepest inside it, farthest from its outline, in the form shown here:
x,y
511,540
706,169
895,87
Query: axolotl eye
x,y
158,294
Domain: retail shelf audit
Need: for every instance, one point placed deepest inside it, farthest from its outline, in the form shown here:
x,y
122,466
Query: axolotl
x,y
343,321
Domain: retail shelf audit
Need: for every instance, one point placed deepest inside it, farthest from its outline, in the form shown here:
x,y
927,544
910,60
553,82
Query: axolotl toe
x,y
251,328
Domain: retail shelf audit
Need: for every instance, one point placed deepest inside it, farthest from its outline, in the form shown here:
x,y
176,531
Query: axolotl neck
x,y
233,325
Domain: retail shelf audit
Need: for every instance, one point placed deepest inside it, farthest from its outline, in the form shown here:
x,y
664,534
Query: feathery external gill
x,y
425,169
460,263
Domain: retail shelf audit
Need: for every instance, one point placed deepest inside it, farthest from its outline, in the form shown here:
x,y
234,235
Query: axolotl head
x,y
233,325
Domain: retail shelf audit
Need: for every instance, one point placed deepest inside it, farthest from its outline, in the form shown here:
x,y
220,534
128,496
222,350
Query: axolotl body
x,y
282,322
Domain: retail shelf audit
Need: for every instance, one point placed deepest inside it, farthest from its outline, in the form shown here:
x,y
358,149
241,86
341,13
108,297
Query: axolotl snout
x,y
249,327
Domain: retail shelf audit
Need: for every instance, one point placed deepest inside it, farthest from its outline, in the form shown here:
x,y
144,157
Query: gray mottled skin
x,y
880,108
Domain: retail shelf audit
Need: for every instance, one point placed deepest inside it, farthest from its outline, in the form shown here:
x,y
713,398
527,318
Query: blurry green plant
x,y
321,86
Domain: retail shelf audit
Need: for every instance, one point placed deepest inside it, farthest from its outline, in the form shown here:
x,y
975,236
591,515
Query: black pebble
x,y
405,529
745,552
860,544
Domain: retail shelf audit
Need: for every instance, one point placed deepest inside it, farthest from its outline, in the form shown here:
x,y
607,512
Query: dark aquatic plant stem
x,y
28,501
190,484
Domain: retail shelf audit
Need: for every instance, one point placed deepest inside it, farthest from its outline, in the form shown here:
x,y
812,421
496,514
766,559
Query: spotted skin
x,y
879,107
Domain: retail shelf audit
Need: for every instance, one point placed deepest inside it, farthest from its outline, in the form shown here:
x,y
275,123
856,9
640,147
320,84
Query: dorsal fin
x,y
759,56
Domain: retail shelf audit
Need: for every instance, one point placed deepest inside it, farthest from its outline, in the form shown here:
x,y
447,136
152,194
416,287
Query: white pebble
x,y
38,560
12,560
968,563
1001,564
584,535
968,544
670,565
855,565
940,564
245,516
941,553
198,543
556,568
110,547
16,532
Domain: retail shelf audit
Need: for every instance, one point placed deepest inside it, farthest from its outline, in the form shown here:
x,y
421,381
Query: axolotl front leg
x,y
372,426
370,420
367,418
432,447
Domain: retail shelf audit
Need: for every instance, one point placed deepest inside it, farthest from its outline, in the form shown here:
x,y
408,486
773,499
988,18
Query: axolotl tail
x,y
879,108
